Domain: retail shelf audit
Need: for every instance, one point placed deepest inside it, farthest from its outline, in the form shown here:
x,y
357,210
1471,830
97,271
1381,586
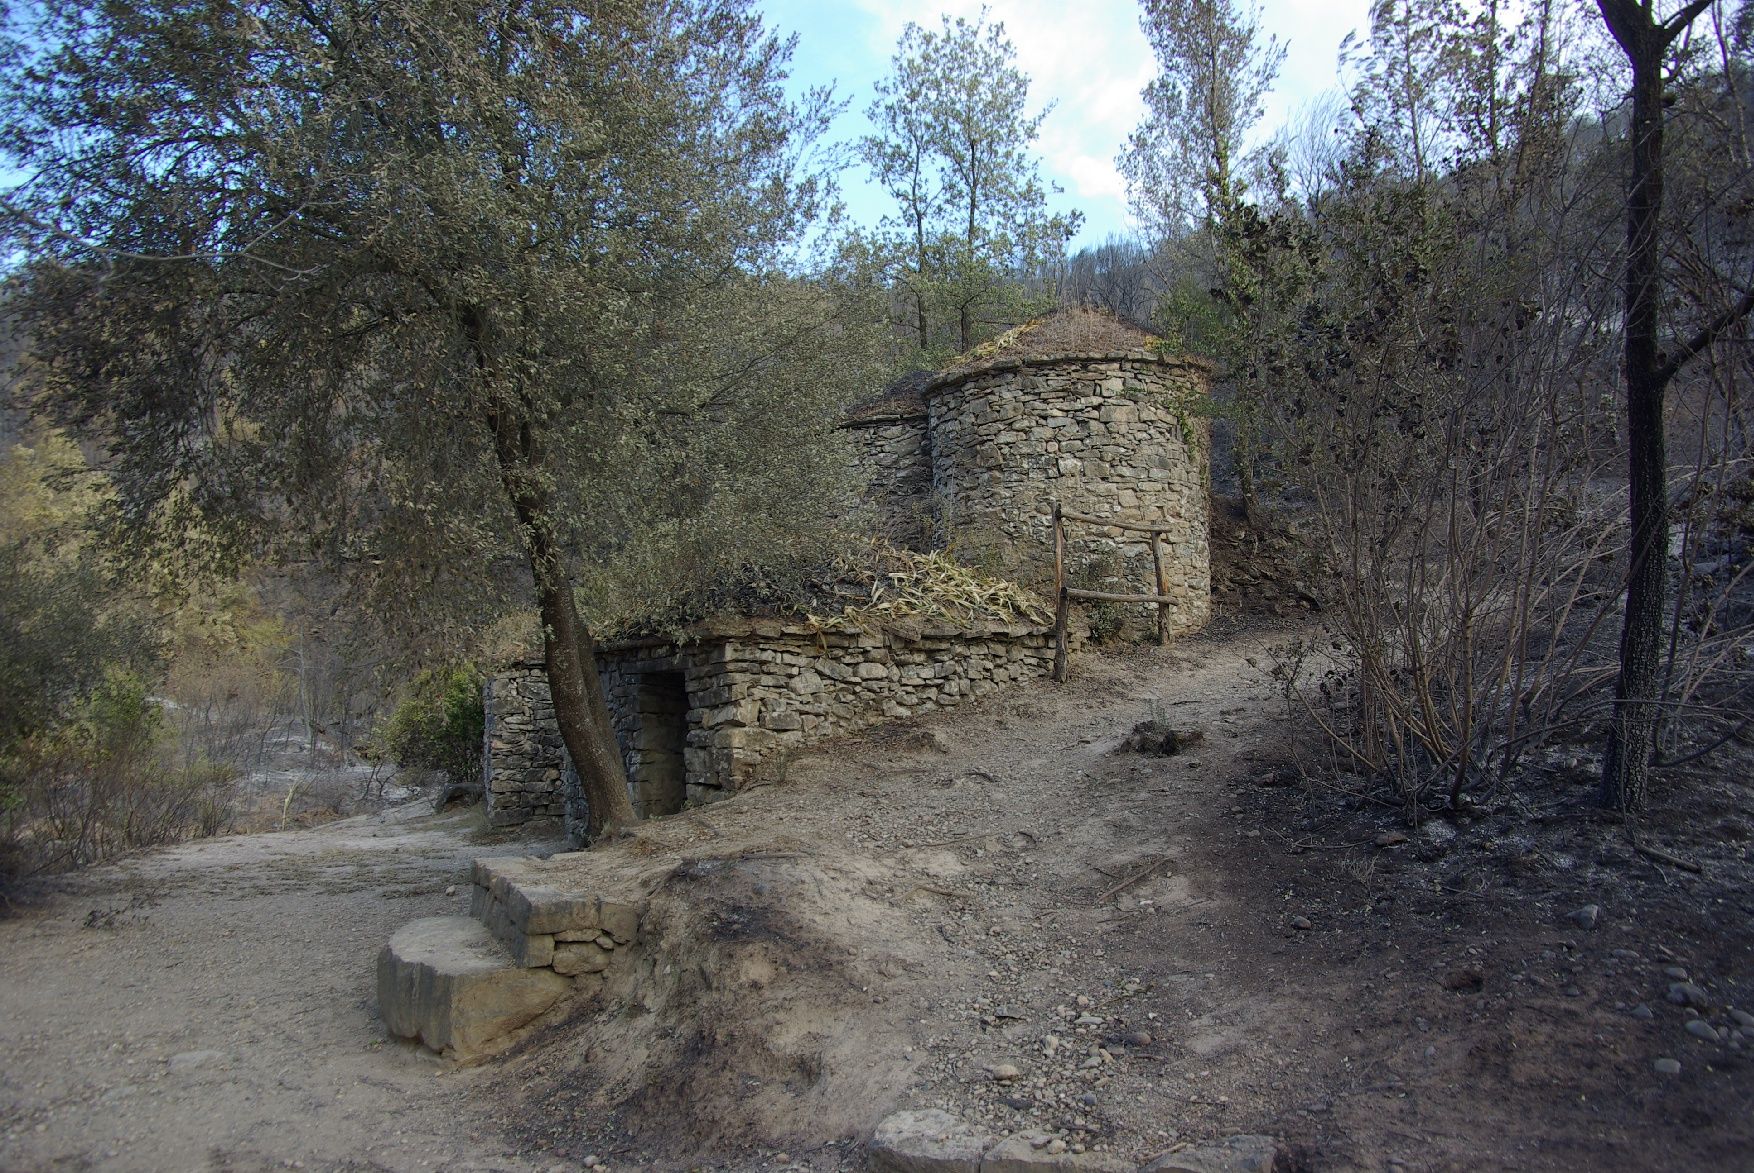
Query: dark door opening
x,y
659,775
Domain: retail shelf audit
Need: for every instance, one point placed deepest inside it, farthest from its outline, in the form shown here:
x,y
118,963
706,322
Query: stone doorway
x,y
660,731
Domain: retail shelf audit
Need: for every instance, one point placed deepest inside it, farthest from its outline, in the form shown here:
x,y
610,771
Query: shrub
x,y
439,725
103,781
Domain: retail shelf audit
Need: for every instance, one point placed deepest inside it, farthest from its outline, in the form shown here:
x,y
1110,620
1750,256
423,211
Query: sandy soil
x,y
992,911
211,1007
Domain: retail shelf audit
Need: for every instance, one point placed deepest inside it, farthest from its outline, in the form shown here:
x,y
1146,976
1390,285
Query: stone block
x,y
927,1141
581,957
443,980
621,922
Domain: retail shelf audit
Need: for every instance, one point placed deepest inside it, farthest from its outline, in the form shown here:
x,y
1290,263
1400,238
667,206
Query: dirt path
x,y
990,911
210,1007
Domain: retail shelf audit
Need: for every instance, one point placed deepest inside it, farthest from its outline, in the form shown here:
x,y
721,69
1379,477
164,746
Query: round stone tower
x,y
1084,409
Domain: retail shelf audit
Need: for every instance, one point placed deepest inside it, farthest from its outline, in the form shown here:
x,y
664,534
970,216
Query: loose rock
x,y
927,1141
1688,994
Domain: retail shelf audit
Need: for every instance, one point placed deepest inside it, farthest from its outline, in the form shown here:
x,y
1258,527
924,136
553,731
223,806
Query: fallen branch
x,y
1662,856
1123,885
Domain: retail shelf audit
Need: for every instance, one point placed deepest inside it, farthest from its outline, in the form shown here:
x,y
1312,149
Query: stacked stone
x,y
1116,434
784,686
893,455
526,765
545,924
761,688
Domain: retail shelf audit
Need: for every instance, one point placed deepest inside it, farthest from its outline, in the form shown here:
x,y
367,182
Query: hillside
x,y
899,923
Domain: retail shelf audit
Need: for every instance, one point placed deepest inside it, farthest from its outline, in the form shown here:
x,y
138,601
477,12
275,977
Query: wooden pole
x,y
1162,590
1108,597
1136,527
1059,551
1062,611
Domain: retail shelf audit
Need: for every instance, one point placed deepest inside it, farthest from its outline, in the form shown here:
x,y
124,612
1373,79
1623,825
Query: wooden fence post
x,y
1162,589
1062,611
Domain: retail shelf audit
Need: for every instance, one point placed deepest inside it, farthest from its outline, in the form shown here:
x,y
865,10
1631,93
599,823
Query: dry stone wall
x,y
1118,434
894,459
754,692
525,762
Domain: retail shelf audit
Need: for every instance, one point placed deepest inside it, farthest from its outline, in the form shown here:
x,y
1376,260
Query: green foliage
x,y
87,766
1214,70
406,286
67,626
439,725
954,150
104,780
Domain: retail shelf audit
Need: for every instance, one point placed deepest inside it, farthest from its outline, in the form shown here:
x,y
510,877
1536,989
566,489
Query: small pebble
x,y
1586,917
1301,923
1675,972
1701,1029
1004,1072
1742,1018
1642,1012
1667,1066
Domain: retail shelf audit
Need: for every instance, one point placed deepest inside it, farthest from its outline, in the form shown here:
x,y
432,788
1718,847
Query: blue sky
x,y
1089,58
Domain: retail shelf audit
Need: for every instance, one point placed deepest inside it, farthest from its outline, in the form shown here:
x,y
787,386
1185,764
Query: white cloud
x,y
1092,60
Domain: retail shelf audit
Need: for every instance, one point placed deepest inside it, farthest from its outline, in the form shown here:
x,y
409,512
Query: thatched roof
x,y
902,399
1076,332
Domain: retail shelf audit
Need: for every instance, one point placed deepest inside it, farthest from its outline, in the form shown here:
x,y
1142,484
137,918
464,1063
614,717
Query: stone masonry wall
x,y
524,759
1111,435
894,460
763,688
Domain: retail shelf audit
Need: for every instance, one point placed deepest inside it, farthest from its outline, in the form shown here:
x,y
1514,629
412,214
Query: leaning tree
x,y
433,287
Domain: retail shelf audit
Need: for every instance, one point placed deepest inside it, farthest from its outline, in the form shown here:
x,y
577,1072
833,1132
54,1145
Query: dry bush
x,y
105,782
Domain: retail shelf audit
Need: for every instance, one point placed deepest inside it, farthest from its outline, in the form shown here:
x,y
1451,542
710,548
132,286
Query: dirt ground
x,y
991,911
211,1007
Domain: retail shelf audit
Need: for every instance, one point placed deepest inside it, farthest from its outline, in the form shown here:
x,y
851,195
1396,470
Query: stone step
x,y
526,907
445,981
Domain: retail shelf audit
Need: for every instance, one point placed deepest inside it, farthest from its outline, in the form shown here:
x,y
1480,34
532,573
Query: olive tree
x,y
450,292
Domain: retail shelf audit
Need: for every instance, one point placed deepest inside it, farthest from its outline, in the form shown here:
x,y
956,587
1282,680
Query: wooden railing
x,y
1063,594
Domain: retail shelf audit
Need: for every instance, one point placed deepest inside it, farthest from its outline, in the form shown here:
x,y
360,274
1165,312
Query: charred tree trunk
x,y
1632,733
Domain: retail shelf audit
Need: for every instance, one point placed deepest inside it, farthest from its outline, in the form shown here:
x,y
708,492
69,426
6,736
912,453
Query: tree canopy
x,y
438,290
954,151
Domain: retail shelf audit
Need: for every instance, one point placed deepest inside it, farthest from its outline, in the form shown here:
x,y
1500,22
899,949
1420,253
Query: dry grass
x,y
900,586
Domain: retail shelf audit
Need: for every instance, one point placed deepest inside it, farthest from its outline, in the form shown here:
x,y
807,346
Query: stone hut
x,y
1079,407
894,456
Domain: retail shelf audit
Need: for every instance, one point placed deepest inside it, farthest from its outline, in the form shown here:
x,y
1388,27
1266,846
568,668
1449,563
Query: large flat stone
x,y
927,1141
532,903
445,981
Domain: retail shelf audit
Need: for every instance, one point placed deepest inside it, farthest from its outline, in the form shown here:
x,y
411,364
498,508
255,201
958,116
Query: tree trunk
x,y
569,653
1632,733
570,656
